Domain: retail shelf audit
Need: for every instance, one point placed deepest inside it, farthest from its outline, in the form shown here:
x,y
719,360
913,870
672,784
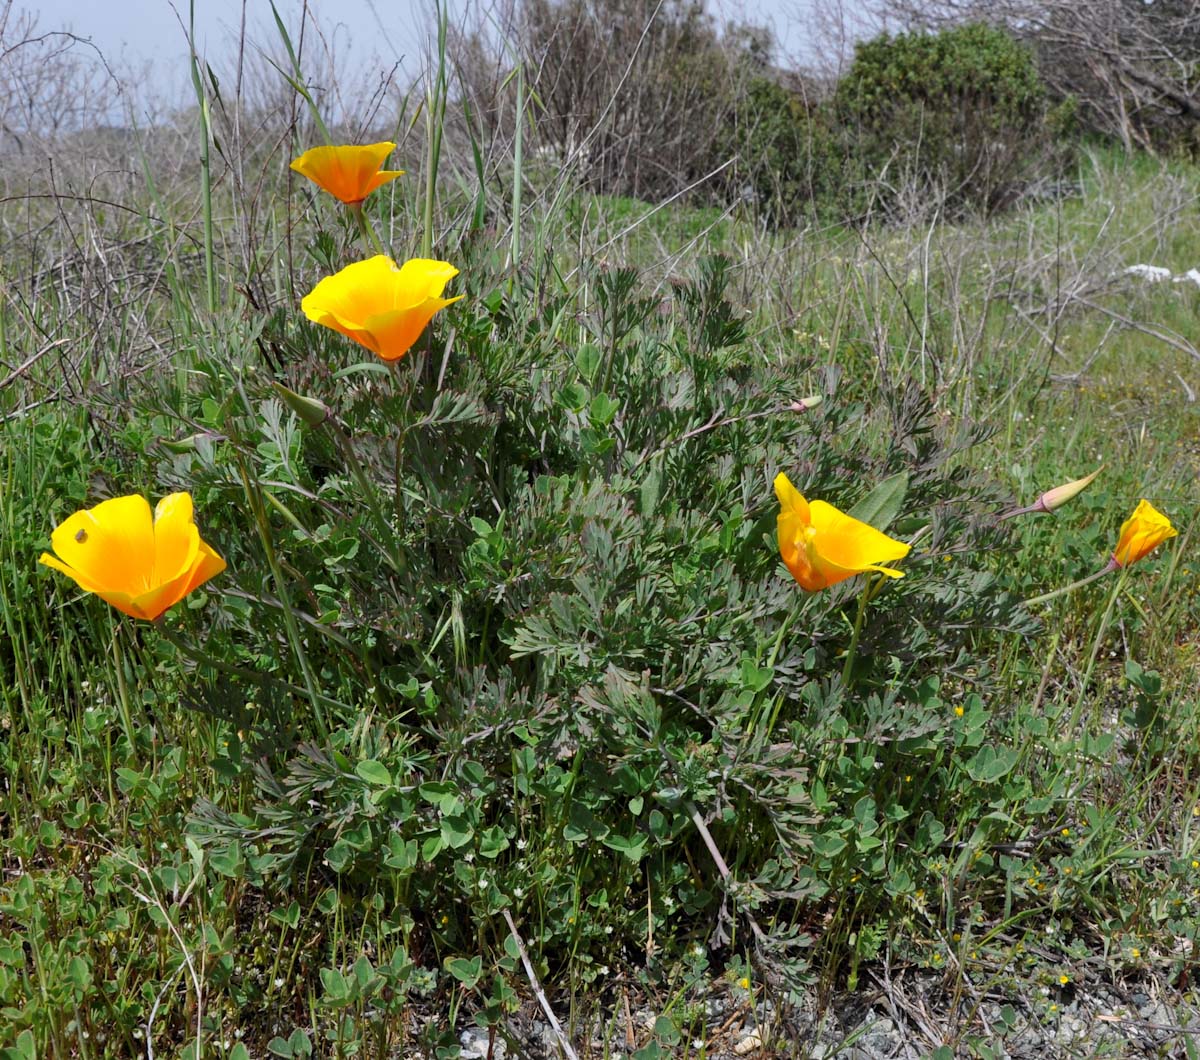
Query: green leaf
x,y
828,845
465,971
228,862
883,503
374,773
990,765
337,986
492,842
588,361
754,678
573,396
26,1045
633,847
602,410
456,832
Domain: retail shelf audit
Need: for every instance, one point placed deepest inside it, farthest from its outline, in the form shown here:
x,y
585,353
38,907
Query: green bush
x,y
789,159
568,634
959,119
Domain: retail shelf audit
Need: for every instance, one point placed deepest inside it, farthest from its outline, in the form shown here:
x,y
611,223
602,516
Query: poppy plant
x,y
380,306
139,562
822,546
349,172
1141,533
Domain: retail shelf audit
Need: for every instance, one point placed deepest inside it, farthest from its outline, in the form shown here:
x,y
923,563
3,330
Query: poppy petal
x,y
176,539
111,544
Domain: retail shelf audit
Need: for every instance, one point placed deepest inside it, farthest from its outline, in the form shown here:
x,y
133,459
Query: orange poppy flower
x,y
140,563
1142,532
822,546
380,306
348,172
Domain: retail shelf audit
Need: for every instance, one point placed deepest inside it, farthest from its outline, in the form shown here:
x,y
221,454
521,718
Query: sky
x,y
147,36
131,33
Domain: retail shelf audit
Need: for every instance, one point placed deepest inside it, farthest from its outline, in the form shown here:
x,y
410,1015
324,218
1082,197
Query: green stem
x,y
435,109
1072,587
386,534
365,230
210,271
863,600
123,691
784,626
1105,621
289,619
518,176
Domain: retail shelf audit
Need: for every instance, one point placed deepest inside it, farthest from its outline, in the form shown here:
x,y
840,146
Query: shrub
x,y
959,119
789,160
569,620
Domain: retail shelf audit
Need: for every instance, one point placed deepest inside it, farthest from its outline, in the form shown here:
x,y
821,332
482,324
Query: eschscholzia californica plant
x,y
348,172
1141,533
379,305
822,546
141,563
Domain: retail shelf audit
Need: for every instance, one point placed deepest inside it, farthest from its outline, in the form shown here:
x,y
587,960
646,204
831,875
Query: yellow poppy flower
x,y
140,563
1142,532
380,306
822,546
349,172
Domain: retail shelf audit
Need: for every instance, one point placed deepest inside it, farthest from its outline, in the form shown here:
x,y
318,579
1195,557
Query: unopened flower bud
x,y
312,413
806,403
1059,496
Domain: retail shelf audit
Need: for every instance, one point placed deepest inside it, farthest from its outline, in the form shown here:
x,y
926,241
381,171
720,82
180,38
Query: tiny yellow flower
x,y
744,982
1195,864
1063,980
822,546
1065,831
1141,533
140,562
958,712
379,305
348,172
1135,953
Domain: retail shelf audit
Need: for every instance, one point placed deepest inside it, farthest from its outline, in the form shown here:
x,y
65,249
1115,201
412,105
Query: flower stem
x,y
254,497
123,690
387,537
863,600
1112,565
365,229
1105,621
